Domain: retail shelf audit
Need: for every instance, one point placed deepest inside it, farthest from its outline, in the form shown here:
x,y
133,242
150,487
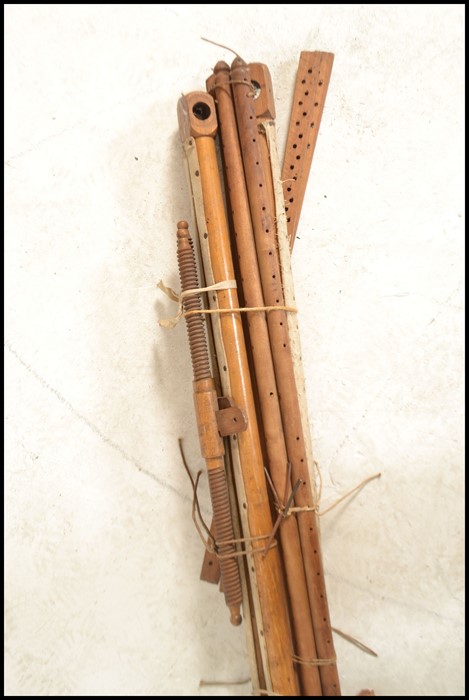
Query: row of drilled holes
x,y
300,136
270,253
318,573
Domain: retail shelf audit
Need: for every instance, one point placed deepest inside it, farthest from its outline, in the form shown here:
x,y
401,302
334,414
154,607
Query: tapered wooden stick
x,y
312,81
260,190
196,114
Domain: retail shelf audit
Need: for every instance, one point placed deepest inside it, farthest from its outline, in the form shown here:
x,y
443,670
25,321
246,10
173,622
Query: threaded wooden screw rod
x,y
206,406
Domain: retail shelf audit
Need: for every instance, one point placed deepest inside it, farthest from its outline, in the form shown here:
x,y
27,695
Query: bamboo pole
x,y
262,203
196,113
219,83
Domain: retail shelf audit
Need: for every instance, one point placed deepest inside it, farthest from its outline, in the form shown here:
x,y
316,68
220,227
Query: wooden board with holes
x,y
312,81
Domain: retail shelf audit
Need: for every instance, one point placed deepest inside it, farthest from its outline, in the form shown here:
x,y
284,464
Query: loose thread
x,y
319,473
203,683
350,493
195,500
277,502
222,46
355,641
313,662
210,544
284,511
288,504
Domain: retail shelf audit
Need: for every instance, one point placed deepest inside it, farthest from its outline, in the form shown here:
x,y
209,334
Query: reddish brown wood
x,y
260,190
210,571
312,81
219,85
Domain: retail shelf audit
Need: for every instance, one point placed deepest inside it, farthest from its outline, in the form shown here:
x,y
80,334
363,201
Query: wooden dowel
x,y
196,114
260,190
253,623
219,84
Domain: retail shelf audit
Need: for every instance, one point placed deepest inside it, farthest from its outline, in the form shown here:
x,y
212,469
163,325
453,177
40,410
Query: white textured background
x,y
102,562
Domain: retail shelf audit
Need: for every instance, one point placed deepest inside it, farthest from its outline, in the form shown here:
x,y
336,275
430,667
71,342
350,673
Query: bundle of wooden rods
x,y
238,302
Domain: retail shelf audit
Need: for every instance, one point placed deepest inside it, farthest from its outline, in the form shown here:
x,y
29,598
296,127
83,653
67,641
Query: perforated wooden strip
x,y
310,534
312,81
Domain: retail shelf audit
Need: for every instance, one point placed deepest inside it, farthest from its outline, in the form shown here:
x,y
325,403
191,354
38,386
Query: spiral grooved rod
x,y
195,324
211,443
224,533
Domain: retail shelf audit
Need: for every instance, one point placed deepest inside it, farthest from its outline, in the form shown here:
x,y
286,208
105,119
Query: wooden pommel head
x,y
220,76
196,115
240,72
264,100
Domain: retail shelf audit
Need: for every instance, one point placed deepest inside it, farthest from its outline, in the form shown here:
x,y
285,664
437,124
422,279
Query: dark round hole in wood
x,y
257,89
201,110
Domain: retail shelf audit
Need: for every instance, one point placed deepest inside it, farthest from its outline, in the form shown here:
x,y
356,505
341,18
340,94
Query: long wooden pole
x,y
253,625
260,190
219,84
196,113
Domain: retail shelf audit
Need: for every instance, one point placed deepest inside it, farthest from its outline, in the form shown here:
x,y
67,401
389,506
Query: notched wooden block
x,y
196,115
